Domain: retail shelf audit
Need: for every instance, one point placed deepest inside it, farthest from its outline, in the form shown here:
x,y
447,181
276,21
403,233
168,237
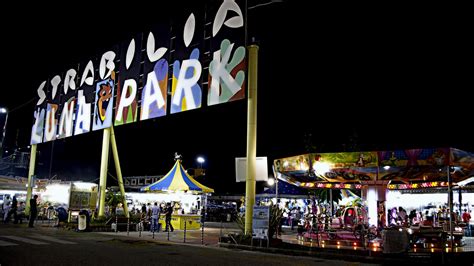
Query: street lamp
x,y
271,182
200,160
3,111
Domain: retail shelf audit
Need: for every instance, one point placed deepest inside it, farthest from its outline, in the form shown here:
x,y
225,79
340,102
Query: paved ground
x,y
20,245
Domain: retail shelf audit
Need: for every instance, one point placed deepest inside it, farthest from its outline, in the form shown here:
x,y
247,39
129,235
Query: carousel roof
x,y
177,180
405,166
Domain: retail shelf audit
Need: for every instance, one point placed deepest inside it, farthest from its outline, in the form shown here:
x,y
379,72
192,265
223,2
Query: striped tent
x,y
177,180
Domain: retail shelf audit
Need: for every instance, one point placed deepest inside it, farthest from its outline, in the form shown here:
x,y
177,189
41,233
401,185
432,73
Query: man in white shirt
x,y
155,216
6,208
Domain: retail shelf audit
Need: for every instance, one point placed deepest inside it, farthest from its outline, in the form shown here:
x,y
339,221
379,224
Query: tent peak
x,y
178,157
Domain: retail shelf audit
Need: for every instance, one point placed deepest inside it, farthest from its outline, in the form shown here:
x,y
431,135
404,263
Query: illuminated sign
x,y
140,181
417,185
130,81
331,185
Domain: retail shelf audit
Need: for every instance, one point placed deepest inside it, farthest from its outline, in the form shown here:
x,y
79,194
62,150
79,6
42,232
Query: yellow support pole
x,y
31,172
103,170
251,137
118,170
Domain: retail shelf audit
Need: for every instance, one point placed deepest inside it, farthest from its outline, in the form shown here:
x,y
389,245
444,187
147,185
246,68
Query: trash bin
x,y
83,221
50,213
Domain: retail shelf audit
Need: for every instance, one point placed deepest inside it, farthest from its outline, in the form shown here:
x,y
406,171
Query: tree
x,y
323,195
113,199
275,218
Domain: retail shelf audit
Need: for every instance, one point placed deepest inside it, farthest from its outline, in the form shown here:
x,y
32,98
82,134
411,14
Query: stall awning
x,y
177,180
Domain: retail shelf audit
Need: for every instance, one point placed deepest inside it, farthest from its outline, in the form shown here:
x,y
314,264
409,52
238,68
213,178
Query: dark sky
x,y
339,78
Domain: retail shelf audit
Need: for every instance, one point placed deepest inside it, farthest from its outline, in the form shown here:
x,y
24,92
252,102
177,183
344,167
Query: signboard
x,y
260,222
83,196
140,181
197,59
241,169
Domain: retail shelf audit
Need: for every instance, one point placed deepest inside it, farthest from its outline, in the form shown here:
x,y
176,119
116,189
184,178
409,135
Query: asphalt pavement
x,y
46,245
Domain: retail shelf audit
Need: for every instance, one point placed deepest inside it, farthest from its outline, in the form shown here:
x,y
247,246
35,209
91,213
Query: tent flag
x,y
177,180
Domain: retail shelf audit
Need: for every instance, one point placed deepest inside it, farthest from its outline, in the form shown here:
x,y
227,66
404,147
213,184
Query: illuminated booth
x,y
178,184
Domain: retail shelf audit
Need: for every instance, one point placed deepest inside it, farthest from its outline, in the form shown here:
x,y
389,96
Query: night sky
x,y
331,79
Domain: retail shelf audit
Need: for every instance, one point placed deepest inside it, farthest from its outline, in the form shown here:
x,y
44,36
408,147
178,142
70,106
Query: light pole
x,y
3,111
251,153
271,182
450,206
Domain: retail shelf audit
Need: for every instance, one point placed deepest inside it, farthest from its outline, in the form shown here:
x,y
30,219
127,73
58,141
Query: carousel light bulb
x,y
321,168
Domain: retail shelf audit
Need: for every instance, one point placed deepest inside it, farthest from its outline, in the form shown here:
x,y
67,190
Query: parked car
x,y
221,213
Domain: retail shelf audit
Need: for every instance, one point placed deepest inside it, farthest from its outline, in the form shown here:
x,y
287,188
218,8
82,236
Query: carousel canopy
x,y
177,180
405,166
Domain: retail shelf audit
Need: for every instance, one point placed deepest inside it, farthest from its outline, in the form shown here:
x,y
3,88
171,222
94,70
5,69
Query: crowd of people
x,y
11,208
428,217
151,214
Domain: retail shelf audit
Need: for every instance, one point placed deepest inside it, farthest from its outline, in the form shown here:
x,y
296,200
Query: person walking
x,y
13,209
20,213
466,218
168,213
33,211
155,215
6,208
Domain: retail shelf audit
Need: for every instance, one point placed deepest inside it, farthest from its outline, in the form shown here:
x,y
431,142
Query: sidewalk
x,y
212,232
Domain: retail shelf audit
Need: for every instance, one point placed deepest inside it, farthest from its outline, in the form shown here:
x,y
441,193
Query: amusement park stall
x,y
181,188
377,172
410,189
53,194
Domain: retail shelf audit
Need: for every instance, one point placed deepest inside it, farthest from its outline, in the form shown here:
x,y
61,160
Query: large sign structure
x,y
130,81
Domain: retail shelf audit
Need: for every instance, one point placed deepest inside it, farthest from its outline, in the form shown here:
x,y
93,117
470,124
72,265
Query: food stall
x,y
181,187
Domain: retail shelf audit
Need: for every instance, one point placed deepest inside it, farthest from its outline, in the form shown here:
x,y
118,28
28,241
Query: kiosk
x,y
179,182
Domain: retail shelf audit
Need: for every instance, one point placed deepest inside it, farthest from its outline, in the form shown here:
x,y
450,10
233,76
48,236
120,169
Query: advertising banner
x,y
260,222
